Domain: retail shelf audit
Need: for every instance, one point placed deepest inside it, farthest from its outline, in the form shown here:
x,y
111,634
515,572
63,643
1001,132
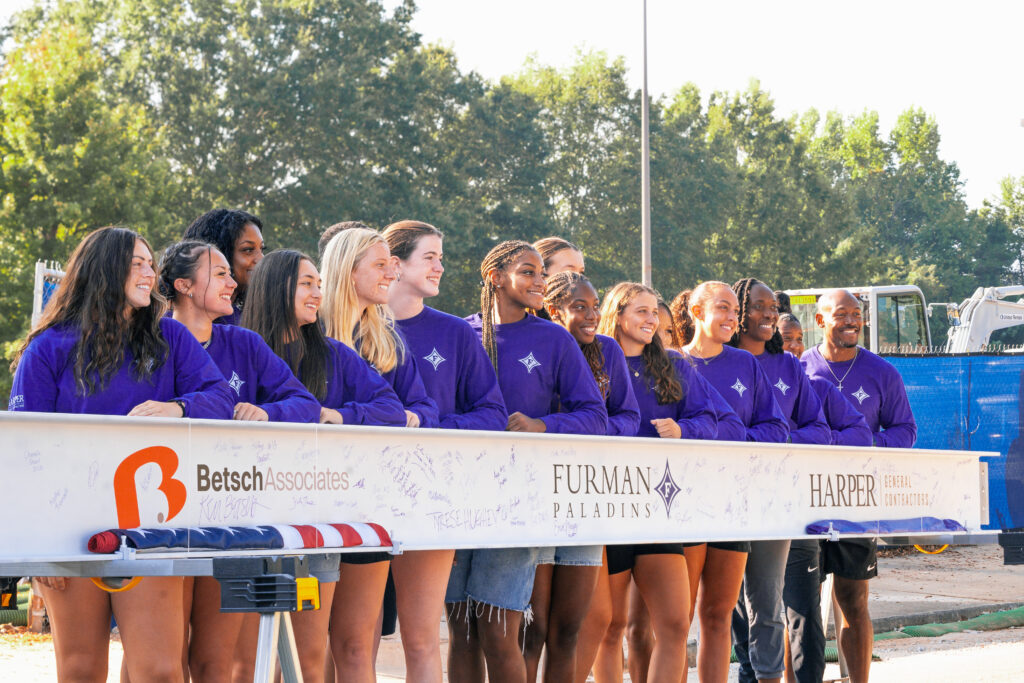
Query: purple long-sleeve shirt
x,y
259,377
738,377
45,379
797,400
539,362
847,425
405,379
619,401
455,370
695,413
875,389
358,392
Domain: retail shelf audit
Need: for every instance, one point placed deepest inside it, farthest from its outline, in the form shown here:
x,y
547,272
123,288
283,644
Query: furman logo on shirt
x,y
236,382
860,395
435,358
739,387
782,386
530,362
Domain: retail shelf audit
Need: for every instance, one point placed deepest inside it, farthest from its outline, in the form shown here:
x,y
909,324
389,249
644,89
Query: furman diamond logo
x,y
530,362
739,387
236,382
435,358
782,386
860,395
668,489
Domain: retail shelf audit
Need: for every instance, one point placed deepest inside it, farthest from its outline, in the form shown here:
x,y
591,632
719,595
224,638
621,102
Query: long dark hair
x,y
498,258
180,261
560,290
682,323
221,228
271,314
91,298
658,366
743,288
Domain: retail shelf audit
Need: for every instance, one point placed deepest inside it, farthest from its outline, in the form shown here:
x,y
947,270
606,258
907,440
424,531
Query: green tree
x,y
74,158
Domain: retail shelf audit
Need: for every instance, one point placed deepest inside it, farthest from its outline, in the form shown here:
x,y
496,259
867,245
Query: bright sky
x,y
960,61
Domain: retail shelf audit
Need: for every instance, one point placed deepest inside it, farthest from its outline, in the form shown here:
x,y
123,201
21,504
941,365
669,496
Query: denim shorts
x,y
324,566
500,577
571,555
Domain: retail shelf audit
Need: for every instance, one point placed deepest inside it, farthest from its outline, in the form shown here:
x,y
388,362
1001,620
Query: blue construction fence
x,y
973,402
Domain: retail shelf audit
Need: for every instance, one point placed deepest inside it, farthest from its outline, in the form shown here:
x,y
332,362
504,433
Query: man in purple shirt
x,y
876,390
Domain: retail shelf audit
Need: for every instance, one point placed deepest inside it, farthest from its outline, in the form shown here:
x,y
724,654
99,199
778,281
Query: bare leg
x,y
639,635
608,665
720,589
465,656
595,625
214,633
353,622
244,665
857,634
80,620
571,592
536,633
663,582
499,638
310,627
150,620
420,580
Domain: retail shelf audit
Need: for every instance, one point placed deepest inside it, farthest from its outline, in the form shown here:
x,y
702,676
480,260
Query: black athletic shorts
x,y
623,557
852,558
735,546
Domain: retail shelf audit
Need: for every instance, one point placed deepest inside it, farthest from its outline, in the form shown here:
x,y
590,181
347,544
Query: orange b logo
x,y
126,497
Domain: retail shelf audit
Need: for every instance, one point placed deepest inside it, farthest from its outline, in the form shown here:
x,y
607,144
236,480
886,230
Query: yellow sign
x,y
803,299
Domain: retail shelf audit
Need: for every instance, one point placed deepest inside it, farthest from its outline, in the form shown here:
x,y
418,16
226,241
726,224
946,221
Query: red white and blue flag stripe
x,y
265,537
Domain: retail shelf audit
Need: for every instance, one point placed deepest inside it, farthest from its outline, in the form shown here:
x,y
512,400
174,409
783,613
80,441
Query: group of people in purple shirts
x,y
220,330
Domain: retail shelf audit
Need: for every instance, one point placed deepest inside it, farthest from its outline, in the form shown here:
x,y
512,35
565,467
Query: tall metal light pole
x,y
645,174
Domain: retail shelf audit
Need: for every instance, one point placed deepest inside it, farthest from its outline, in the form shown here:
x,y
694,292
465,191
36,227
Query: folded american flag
x,y
266,537
885,526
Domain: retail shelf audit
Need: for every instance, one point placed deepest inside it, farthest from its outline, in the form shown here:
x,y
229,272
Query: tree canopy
x,y
148,113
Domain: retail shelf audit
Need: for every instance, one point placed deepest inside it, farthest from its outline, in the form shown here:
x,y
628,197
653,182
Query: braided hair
x,y
559,292
681,321
498,258
658,366
742,288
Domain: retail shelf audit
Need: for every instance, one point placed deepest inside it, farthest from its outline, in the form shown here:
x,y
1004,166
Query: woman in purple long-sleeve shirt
x,y
283,306
712,316
572,302
459,377
102,347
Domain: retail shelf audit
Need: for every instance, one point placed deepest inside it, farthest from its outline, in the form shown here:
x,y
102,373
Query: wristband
x,y
181,404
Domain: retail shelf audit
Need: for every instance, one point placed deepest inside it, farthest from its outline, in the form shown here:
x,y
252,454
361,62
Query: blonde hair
x,y
371,333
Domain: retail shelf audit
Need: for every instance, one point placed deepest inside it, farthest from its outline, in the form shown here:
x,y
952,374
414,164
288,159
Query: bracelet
x,y
181,404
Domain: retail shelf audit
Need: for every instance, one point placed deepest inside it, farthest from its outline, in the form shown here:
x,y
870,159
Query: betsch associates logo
x,y
126,495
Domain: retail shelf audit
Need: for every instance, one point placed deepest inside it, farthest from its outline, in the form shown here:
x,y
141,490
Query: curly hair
x,y
91,299
659,369
743,288
222,228
681,320
559,293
